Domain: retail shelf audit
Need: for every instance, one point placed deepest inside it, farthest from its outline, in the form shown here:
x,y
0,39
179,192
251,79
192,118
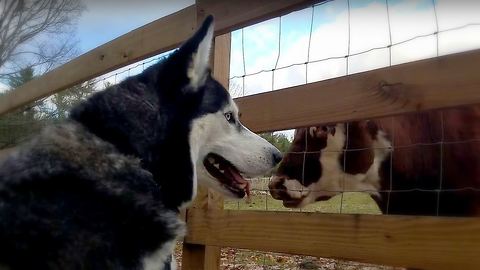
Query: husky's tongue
x,y
235,175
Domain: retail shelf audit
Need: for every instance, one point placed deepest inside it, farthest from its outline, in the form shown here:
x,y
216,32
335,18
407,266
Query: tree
x,y
35,36
279,140
67,99
17,126
21,77
36,33
20,125
16,80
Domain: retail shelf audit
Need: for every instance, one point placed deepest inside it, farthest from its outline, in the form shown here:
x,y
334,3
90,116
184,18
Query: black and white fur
x,y
102,190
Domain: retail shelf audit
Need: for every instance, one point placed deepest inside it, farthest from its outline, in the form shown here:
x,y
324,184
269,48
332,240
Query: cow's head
x,y
324,161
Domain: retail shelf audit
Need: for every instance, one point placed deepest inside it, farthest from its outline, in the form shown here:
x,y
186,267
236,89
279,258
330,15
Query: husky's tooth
x,y
211,160
217,165
222,171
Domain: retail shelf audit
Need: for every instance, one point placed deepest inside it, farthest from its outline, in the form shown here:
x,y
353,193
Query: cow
x,y
415,164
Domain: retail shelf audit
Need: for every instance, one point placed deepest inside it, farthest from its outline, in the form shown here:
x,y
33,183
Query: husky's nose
x,y
276,157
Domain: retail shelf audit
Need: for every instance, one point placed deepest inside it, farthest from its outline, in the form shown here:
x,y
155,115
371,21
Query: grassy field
x,y
351,203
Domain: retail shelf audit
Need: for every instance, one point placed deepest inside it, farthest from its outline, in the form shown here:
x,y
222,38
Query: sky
x,y
310,35
105,20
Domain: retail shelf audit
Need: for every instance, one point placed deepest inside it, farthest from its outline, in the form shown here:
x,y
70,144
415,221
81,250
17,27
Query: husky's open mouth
x,y
229,176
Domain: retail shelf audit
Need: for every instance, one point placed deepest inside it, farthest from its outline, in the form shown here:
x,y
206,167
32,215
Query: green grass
x,y
352,203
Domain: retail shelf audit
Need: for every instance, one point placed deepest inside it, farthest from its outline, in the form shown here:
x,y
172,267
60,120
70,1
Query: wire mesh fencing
x,y
343,37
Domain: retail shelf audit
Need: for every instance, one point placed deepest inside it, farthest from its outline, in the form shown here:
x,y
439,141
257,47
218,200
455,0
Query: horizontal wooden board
x,y
417,242
159,36
436,83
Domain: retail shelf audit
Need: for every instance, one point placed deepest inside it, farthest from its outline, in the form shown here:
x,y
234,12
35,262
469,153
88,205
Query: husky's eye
x,y
229,117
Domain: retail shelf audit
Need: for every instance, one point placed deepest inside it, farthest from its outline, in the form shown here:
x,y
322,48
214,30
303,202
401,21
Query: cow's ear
x,y
322,131
196,52
331,130
372,128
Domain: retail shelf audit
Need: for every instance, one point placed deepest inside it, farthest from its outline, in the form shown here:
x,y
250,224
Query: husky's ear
x,y
197,50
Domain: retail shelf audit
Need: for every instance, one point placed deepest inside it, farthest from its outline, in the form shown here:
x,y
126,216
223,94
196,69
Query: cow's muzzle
x,y
280,192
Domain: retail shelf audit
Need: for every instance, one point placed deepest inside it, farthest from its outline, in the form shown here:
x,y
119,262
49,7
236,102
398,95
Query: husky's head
x,y
181,122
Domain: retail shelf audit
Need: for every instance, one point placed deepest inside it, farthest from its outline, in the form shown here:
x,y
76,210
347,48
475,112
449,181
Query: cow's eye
x,y
230,118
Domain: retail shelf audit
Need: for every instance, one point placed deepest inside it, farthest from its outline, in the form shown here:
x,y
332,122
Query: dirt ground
x,y
239,259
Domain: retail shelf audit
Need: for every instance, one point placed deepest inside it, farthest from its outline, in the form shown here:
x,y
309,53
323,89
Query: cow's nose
x,y
276,183
277,189
277,157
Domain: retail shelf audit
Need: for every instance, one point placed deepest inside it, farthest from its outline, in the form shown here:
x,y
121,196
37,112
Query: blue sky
x,y
107,19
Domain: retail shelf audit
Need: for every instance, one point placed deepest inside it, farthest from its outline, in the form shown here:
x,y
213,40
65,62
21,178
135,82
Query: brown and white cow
x,y
423,164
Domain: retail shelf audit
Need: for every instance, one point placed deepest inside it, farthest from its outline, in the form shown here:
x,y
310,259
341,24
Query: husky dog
x,y
102,190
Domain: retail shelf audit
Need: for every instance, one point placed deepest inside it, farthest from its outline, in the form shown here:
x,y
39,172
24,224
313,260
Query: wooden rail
x,y
406,241
448,81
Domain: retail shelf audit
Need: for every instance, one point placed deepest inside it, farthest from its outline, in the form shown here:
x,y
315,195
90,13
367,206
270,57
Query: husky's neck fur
x,y
150,115
146,125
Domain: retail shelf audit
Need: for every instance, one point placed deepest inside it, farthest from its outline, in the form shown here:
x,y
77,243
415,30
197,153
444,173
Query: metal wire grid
x,y
264,191
347,56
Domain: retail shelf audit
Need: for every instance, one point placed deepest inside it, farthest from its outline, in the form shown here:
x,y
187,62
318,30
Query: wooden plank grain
x,y
417,242
443,82
221,61
201,256
234,14
194,254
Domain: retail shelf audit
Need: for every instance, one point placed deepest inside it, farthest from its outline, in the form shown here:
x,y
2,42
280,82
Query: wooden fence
x,y
416,242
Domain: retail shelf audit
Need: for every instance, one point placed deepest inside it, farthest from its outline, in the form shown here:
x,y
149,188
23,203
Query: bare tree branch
x,y
26,30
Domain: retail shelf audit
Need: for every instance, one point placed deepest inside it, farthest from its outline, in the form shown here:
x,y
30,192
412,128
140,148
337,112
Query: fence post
x,y
198,257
